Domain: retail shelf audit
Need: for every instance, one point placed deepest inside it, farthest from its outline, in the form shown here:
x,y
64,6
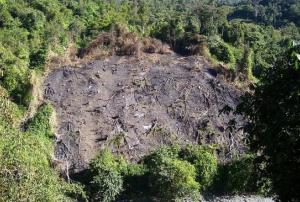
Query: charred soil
x,y
134,105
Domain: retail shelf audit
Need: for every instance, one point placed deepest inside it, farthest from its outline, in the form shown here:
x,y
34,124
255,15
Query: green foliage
x,y
107,182
249,54
14,62
170,30
166,151
204,161
170,173
274,13
248,61
241,33
106,161
236,177
173,174
136,182
10,113
266,44
200,164
25,170
39,125
221,50
193,25
111,177
173,179
108,185
25,36
274,127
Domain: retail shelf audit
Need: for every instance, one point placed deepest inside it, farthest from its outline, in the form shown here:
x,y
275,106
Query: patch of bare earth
x,y
134,106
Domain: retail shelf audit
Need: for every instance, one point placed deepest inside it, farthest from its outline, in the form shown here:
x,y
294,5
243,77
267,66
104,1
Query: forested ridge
x,y
256,41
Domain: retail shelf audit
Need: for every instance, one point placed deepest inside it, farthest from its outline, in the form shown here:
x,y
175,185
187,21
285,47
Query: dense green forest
x,y
254,39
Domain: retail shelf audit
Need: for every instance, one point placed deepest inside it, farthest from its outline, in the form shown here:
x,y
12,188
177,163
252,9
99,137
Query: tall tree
x,y
274,126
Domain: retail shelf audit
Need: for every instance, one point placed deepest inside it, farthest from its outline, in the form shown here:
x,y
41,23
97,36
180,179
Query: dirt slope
x,y
135,105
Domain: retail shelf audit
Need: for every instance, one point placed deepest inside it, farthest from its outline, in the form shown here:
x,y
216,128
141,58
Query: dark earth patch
x,y
133,106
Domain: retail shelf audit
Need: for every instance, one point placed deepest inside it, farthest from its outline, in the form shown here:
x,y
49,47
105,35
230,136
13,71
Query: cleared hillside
x,y
136,105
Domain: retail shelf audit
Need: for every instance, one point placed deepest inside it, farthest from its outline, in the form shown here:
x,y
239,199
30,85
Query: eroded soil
x,y
135,105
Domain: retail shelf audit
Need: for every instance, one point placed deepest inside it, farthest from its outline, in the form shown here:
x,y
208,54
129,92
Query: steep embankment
x,y
135,105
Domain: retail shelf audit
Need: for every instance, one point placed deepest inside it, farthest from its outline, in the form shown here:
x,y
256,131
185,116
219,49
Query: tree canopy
x,y
274,114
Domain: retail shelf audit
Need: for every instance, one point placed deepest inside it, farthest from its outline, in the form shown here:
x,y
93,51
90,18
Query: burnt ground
x,y
133,106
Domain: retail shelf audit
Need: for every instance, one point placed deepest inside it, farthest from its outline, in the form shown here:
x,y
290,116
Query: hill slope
x,y
135,105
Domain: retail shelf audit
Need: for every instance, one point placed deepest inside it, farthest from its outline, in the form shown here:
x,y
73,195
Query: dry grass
x,y
36,82
192,45
121,42
55,60
226,73
150,45
127,44
100,46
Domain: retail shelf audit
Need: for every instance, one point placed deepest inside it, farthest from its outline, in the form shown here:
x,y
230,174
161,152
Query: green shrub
x,y
136,182
39,125
14,55
249,64
221,50
192,25
236,177
10,112
108,184
25,168
173,179
172,173
107,180
204,161
165,151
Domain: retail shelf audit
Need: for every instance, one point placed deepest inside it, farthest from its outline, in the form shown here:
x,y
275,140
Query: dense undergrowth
x,y
25,169
246,37
169,174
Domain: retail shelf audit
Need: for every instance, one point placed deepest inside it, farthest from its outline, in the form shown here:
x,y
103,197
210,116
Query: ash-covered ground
x,y
134,106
